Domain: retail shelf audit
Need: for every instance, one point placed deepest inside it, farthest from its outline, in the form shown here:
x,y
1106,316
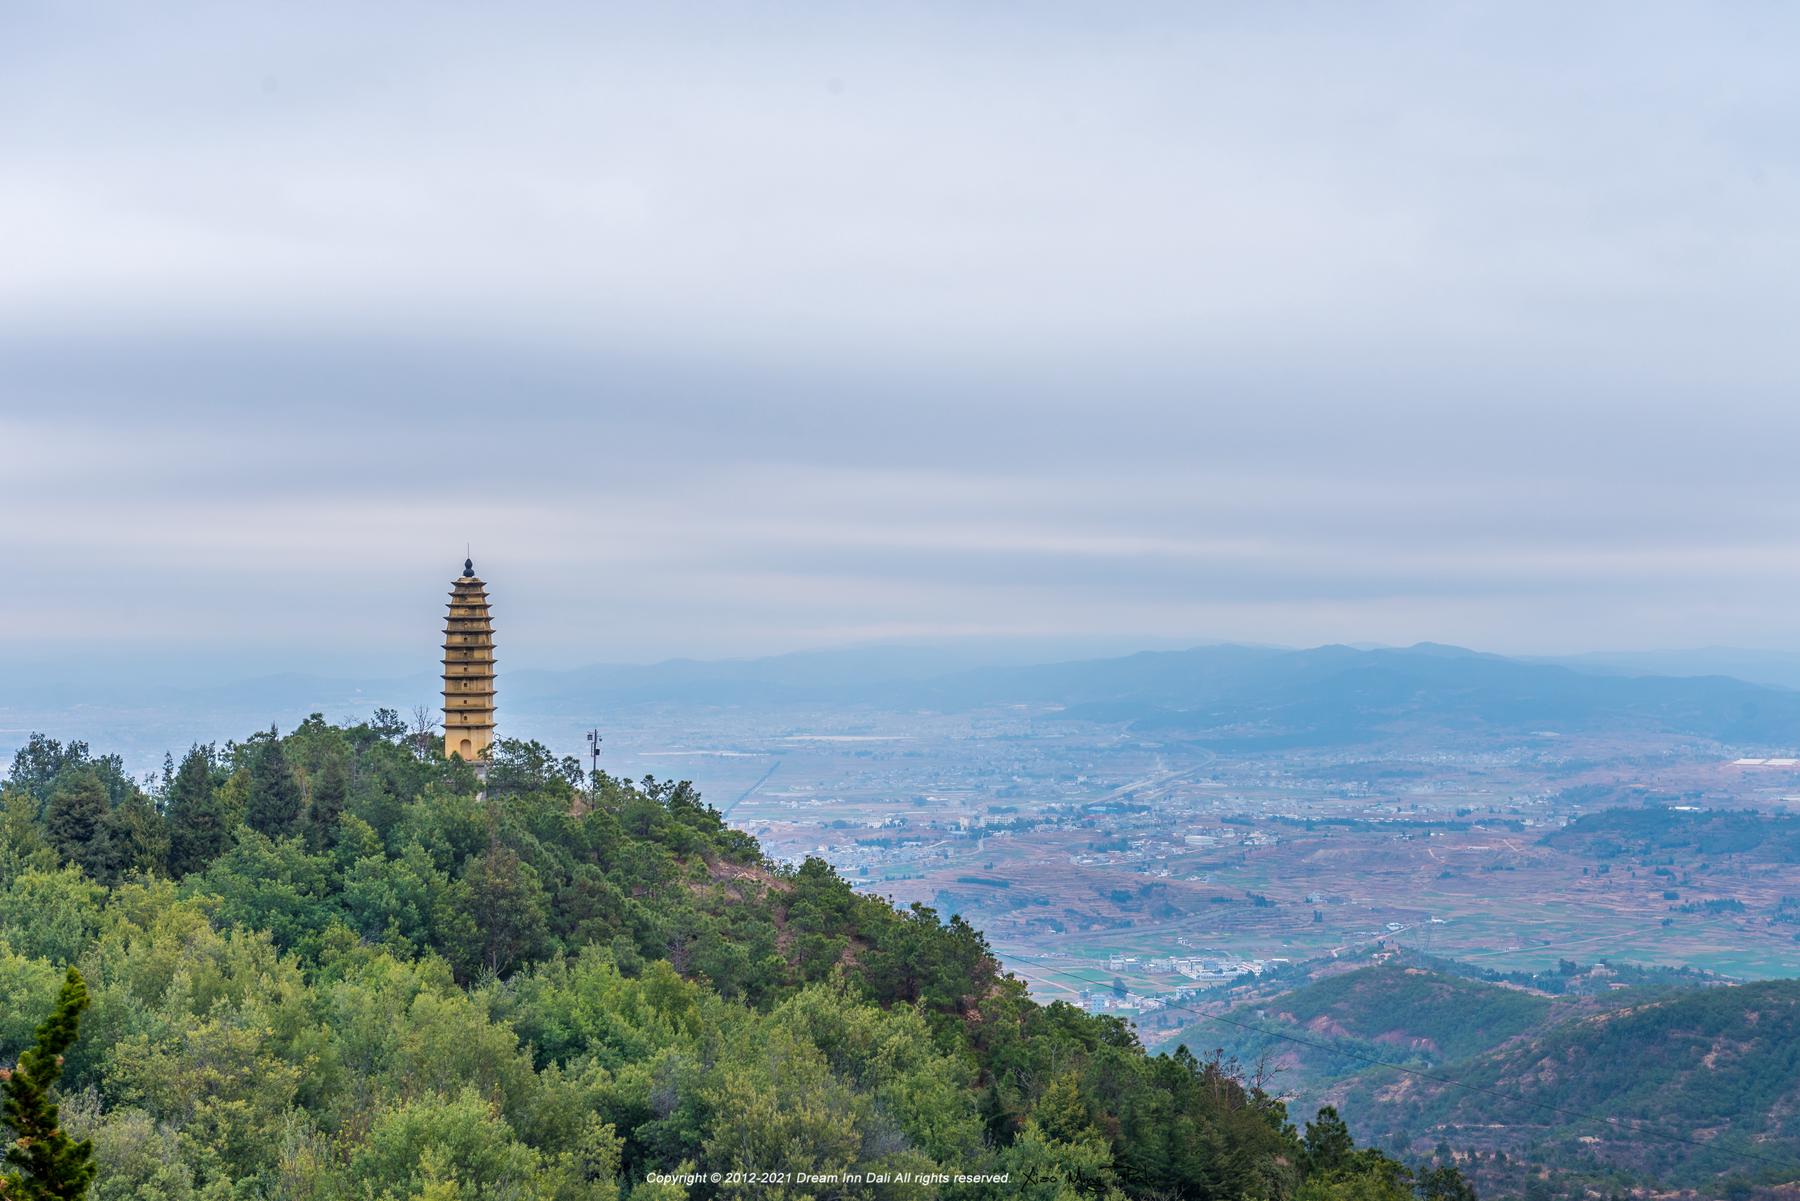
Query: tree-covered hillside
x,y
1702,1088
1651,829
1330,1028
1698,1086
325,966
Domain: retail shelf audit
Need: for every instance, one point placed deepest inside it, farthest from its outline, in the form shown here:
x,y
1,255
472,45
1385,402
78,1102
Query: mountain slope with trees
x,y
327,966
1328,1029
1701,1089
1698,1083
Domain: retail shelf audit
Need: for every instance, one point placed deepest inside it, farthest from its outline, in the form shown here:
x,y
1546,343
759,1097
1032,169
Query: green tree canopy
x,y
44,1163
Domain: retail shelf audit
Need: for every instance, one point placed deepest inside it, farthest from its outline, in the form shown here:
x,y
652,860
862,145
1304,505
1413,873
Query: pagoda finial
x,y
469,567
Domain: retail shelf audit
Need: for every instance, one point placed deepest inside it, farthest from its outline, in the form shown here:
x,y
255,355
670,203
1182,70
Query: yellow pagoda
x,y
468,670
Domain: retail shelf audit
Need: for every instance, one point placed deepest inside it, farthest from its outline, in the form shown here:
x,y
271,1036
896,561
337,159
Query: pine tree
x,y
133,838
73,820
45,1163
1445,1182
195,813
508,912
274,793
41,762
329,792
1061,1113
1328,1142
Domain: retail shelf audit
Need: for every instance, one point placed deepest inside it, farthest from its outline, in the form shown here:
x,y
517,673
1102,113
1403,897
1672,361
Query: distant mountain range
x,y
1339,694
1780,669
1225,695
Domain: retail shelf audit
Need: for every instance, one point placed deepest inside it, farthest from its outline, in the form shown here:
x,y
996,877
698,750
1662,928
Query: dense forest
x,y
331,965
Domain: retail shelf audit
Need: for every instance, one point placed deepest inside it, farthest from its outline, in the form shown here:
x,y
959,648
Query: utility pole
x,y
594,741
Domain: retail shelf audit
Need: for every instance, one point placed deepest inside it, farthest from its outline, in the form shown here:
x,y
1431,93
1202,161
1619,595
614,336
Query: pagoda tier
x,y
468,670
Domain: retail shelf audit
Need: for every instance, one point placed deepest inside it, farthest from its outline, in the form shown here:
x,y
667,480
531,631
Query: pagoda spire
x,y
468,669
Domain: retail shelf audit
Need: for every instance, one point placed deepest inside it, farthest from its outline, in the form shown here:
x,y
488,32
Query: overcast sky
x,y
734,329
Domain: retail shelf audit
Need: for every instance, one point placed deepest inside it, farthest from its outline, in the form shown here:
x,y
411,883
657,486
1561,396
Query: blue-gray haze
x,y
734,329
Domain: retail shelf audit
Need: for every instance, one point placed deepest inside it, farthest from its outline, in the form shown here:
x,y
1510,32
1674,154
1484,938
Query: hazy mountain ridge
x,y
1225,676
1779,669
1342,694
1224,694
1335,694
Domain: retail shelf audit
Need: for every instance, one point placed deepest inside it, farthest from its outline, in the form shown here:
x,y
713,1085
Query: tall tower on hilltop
x,y
468,669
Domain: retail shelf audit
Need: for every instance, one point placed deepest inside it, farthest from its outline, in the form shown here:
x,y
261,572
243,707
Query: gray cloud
x,y
774,328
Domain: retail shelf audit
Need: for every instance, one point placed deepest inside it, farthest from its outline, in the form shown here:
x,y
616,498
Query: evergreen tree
x,y
22,840
195,814
73,819
329,792
274,793
1445,1182
133,838
507,908
45,1163
41,761
118,784
1328,1141
388,725
1061,1113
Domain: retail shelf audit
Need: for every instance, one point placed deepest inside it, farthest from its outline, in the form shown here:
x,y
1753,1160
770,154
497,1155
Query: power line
x,y
1582,1114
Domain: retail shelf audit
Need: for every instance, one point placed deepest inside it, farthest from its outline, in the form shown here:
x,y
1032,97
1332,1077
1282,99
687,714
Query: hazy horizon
x,y
44,681
921,655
